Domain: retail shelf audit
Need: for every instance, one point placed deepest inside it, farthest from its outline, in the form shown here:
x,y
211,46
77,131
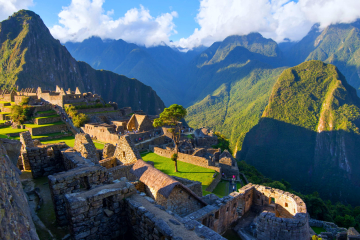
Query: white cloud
x,y
86,18
276,19
8,7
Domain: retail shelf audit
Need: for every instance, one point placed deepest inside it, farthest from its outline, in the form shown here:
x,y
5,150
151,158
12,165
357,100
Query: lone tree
x,y
171,117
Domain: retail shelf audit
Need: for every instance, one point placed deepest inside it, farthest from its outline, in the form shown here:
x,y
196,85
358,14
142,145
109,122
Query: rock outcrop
x,y
15,218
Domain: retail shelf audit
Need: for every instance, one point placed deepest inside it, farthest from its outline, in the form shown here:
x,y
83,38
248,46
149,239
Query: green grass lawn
x,y
222,189
6,130
185,170
43,125
70,140
5,112
46,112
318,230
3,121
50,116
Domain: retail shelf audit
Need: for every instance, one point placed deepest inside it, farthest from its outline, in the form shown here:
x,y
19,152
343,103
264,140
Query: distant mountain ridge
x,y
31,57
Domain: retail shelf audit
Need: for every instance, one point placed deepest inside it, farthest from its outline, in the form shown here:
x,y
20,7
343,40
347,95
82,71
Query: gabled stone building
x,y
140,123
166,191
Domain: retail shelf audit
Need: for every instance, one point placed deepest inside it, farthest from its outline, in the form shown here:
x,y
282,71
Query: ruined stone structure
x,y
140,123
126,151
108,150
166,191
199,161
283,215
103,132
85,146
205,137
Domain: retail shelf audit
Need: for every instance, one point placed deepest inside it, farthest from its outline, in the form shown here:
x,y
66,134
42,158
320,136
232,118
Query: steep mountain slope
x,y
309,133
239,74
337,44
155,66
31,57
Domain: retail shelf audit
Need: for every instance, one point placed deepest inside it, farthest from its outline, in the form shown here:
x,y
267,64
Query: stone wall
x,y
220,215
180,201
47,129
40,121
214,183
126,151
44,160
15,217
100,212
108,150
328,226
206,141
108,162
101,133
85,146
148,221
199,161
53,98
271,227
194,186
268,224
75,180
153,142
123,171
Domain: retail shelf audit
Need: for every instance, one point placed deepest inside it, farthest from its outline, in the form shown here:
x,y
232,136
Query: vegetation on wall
x,y
78,119
20,114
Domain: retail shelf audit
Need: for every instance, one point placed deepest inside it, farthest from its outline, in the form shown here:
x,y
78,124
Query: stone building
x,y
166,191
139,123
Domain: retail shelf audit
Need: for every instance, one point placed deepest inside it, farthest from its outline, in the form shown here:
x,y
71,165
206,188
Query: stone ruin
x,y
121,196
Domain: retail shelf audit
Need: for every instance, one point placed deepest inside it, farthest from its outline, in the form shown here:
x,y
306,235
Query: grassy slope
x,y
307,99
234,108
185,170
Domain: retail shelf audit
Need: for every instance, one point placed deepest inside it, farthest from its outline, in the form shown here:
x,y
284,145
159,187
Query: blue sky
x,y
185,23
186,9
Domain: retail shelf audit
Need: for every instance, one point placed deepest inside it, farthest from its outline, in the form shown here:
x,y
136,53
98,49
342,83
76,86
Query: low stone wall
x,y
194,186
220,215
55,137
270,227
123,171
154,141
44,160
328,226
40,121
214,183
99,213
199,161
108,162
91,110
74,180
149,221
47,129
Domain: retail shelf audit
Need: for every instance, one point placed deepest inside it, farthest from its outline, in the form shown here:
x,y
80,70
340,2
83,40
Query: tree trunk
x,y
175,165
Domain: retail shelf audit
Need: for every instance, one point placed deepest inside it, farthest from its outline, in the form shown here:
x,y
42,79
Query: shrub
x,y
174,157
19,114
80,119
24,101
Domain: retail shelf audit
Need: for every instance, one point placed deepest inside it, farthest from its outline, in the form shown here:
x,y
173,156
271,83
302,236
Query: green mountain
x,y
309,133
239,74
155,66
337,44
31,57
